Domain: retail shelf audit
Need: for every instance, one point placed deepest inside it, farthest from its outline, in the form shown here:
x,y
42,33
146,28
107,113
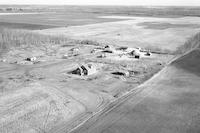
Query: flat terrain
x,y
45,20
169,103
159,34
45,88
43,96
61,16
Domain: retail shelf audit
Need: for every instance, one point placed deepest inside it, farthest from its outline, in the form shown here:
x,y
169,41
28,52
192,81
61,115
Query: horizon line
x,y
98,5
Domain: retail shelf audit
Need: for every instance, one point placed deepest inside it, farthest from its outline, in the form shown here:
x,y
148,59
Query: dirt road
x,y
168,103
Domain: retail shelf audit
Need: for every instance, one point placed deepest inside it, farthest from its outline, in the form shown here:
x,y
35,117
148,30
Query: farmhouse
x,y
86,69
74,50
109,49
135,53
31,59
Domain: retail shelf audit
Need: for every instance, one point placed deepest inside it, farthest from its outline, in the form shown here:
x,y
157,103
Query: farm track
x,y
90,120
116,103
55,91
18,103
68,126
112,119
103,108
110,107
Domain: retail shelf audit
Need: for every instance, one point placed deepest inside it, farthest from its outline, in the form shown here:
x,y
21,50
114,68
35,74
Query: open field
x,y
151,11
62,16
24,26
157,34
62,70
37,21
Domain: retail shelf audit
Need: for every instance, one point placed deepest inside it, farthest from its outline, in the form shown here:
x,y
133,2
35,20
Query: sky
x,y
106,2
